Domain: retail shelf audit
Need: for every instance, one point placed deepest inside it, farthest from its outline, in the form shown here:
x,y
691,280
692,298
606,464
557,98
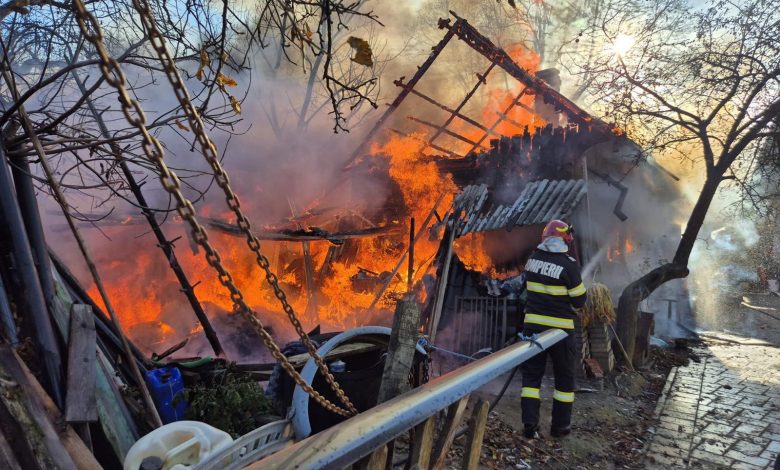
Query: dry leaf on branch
x,y
235,104
181,126
362,51
19,6
205,61
223,80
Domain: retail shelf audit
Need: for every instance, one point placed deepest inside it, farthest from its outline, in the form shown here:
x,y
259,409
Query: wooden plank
x,y
400,350
81,455
476,435
80,405
454,417
420,455
378,460
336,353
115,421
24,413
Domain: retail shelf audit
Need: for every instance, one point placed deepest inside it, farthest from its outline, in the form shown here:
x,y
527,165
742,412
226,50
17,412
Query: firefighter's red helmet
x,y
560,229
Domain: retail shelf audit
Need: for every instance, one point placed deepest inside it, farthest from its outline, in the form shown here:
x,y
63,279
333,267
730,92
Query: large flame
x,y
148,302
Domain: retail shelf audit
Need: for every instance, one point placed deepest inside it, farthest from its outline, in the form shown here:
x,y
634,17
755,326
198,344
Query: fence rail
x,y
362,435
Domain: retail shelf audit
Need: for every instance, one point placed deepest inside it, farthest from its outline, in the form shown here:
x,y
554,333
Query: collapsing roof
x,y
540,202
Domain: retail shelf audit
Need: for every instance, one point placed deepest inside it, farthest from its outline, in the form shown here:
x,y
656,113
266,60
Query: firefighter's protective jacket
x,y
554,287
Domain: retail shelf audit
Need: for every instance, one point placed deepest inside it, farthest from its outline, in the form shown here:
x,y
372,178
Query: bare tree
x,y
697,81
56,74
299,95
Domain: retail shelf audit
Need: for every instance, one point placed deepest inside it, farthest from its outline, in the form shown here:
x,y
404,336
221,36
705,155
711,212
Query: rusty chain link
x,y
152,147
221,177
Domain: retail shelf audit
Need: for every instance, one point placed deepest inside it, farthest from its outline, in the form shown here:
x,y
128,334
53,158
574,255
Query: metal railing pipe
x,y
345,443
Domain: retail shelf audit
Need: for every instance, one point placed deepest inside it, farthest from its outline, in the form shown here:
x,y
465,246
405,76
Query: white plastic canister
x,y
178,445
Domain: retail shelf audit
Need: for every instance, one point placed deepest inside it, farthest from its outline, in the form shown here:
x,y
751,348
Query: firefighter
x,y
555,289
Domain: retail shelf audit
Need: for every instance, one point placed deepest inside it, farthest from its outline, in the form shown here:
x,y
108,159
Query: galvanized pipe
x,y
28,204
357,437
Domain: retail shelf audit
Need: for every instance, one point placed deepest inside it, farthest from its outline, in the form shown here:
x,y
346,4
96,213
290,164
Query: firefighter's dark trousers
x,y
563,355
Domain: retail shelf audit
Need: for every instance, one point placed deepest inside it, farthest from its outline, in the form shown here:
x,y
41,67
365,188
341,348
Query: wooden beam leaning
x,y
475,436
81,455
441,290
165,245
24,420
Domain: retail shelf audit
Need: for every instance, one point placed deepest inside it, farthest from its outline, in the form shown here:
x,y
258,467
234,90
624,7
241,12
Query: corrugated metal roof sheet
x,y
540,202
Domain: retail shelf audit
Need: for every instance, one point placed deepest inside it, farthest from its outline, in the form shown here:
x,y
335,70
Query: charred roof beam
x,y
482,80
400,83
446,131
435,51
468,34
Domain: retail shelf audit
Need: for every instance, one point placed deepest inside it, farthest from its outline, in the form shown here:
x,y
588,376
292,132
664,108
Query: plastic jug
x,y
167,389
177,446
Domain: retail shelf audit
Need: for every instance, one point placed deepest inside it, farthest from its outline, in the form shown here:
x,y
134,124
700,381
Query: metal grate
x,y
480,322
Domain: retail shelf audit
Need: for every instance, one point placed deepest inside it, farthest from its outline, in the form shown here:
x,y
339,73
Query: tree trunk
x,y
639,290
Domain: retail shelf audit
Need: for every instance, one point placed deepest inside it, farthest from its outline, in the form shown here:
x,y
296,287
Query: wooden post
x,y
453,420
308,269
403,257
441,291
400,350
80,399
378,459
410,273
476,435
420,455
311,285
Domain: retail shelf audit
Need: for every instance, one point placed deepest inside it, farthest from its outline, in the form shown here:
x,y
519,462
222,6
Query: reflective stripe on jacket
x,y
555,288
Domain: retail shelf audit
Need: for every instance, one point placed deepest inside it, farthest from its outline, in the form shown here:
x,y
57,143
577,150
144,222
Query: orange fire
x,y
150,297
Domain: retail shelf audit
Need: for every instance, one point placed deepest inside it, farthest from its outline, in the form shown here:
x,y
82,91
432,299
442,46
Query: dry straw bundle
x,y
598,306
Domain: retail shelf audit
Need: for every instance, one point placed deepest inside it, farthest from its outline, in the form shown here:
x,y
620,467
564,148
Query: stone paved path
x,y
722,412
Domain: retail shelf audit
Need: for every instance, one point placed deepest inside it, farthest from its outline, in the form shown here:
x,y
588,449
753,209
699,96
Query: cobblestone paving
x,y
720,412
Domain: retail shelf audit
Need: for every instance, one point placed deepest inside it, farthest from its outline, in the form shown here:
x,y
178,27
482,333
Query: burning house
x,y
516,150
465,191
533,156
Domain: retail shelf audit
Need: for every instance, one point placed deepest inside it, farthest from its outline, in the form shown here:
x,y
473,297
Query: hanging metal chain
x,y
152,147
209,151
